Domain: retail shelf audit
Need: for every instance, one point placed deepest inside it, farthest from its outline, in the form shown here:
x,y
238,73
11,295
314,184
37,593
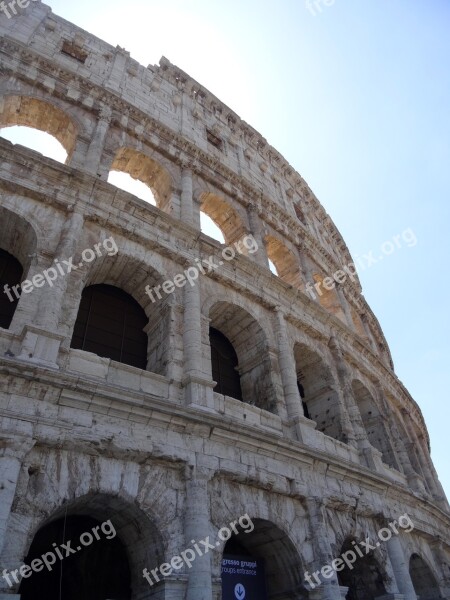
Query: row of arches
x,y
147,177
111,563
112,324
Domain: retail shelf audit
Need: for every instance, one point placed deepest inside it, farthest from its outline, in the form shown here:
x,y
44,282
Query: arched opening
x,y
373,423
364,580
273,268
110,323
125,182
125,540
208,227
43,116
11,272
424,582
224,364
250,345
36,140
328,296
284,261
318,392
96,567
224,216
271,557
358,324
301,391
141,167
18,248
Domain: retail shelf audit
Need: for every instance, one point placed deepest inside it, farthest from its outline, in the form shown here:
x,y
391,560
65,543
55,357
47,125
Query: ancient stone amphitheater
x,y
179,401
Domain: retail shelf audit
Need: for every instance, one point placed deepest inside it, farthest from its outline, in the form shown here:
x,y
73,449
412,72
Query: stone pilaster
x,y
92,164
12,454
198,387
352,425
197,526
329,589
40,339
400,568
257,231
288,374
187,203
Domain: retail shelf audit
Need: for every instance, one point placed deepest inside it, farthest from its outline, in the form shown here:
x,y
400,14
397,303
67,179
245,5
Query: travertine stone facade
x,y
157,450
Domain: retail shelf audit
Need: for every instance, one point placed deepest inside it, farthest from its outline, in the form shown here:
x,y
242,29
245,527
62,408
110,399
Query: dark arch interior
x,y
425,584
111,323
11,272
224,361
365,580
282,566
301,391
99,570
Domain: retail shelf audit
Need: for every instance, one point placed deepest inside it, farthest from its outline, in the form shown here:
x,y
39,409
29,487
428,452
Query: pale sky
x,y
356,97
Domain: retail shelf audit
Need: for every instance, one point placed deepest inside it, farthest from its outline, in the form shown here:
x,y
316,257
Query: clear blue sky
x,y
357,99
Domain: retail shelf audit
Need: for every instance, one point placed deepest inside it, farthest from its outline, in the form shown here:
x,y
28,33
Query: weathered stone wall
x,y
157,450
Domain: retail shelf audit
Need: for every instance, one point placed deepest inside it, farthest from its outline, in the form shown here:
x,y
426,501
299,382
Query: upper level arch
x,y
373,423
250,343
224,215
132,276
111,324
141,167
39,114
318,391
285,261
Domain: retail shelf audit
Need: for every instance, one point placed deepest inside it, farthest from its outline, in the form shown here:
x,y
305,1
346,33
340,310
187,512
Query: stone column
x,y
345,306
92,164
329,589
437,548
368,333
288,374
12,454
352,425
198,387
196,527
187,202
430,473
305,271
256,229
400,569
41,339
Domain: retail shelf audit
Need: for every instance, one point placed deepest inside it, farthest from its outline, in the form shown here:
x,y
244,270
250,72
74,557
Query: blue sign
x,y
243,578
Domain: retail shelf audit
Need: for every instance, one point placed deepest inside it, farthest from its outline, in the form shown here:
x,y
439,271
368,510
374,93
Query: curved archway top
x,y
232,318
142,167
224,215
310,364
286,263
17,235
125,271
38,114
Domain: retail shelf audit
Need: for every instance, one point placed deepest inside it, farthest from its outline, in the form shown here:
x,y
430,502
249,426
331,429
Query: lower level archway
x,y
94,563
100,545
425,584
269,552
364,580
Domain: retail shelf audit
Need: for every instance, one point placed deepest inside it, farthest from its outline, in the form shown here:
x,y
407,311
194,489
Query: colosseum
x,y
179,422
